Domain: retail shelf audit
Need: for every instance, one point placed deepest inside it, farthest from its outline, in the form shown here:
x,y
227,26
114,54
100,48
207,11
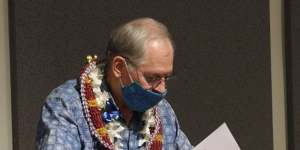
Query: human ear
x,y
117,66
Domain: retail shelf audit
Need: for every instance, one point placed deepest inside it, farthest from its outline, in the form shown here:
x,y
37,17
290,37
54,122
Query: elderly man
x,y
118,102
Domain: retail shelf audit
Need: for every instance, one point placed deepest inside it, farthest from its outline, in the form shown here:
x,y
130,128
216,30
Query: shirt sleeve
x,y
172,128
182,141
57,129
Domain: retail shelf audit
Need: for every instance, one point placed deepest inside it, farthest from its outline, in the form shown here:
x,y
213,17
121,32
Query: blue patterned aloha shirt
x,y
63,125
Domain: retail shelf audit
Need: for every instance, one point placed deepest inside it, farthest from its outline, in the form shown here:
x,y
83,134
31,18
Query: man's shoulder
x,y
67,92
165,108
164,104
68,88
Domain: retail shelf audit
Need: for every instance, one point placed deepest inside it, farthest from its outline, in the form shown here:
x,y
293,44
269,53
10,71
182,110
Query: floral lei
x,y
94,102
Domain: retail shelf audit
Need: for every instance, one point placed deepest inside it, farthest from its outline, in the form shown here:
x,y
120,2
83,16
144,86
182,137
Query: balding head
x,y
129,39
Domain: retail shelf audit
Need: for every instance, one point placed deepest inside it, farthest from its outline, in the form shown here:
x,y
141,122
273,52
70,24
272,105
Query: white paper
x,y
220,139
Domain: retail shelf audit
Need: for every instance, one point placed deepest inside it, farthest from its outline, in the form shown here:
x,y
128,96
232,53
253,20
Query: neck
x,y
127,114
125,111
118,98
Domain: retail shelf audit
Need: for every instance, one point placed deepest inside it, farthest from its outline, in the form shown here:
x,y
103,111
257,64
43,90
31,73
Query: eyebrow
x,y
159,75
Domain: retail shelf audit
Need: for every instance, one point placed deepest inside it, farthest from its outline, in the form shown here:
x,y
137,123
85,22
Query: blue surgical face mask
x,y
139,99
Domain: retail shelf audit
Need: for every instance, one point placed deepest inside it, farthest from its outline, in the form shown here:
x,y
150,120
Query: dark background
x,y
292,36
222,60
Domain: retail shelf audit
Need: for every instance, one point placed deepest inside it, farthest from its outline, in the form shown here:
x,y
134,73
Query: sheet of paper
x,y
220,139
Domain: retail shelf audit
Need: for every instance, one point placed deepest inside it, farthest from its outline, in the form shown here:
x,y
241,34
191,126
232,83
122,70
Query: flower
x,y
114,129
101,96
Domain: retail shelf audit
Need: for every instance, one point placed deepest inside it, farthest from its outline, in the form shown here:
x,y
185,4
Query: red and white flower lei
x,y
94,100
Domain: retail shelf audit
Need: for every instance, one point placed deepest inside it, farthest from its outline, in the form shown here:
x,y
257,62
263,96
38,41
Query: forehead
x,y
158,58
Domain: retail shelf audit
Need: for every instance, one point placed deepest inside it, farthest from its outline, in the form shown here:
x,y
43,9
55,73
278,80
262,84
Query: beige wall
x,y
278,97
277,71
5,105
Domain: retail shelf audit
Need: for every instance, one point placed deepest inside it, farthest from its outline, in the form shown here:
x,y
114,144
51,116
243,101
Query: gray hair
x,y
129,40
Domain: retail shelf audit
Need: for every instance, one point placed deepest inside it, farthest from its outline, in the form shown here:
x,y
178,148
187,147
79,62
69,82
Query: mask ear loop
x,y
127,70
